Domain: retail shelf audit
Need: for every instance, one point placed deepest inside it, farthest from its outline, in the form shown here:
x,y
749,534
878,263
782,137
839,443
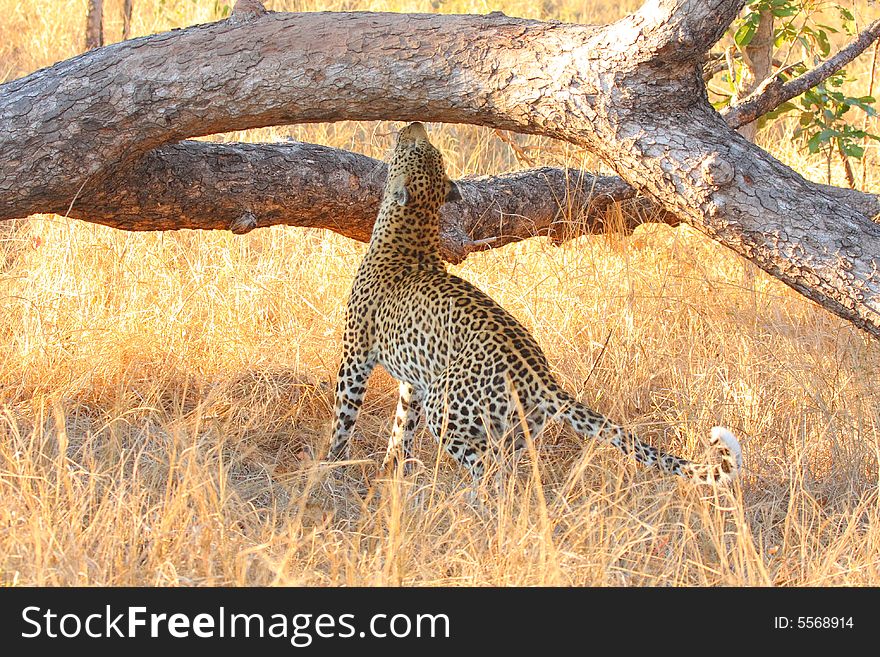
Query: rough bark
x,y
631,91
90,115
239,187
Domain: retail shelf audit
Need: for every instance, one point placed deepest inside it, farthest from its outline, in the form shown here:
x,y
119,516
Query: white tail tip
x,y
725,435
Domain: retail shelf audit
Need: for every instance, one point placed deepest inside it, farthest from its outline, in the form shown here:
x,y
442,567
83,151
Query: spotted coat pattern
x,y
476,373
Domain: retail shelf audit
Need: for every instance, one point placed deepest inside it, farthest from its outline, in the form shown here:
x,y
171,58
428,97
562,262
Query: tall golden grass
x,y
162,395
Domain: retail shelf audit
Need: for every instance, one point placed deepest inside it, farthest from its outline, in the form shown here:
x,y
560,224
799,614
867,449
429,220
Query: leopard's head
x,y
417,178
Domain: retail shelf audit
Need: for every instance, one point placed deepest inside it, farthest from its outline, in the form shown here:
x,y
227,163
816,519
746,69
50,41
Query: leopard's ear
x,y
452,193
399,192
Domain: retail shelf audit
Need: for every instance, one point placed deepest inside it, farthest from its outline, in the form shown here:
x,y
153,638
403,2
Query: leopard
x,y
475,372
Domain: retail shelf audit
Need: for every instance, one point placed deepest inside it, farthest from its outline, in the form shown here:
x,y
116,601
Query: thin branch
x,y
773,91
717,62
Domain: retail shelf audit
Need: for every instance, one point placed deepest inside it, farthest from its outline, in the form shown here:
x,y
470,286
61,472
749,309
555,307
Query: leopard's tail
x,y
727,461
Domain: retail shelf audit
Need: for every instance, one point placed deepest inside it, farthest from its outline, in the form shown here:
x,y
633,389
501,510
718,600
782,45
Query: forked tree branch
x,y
244,186
631,92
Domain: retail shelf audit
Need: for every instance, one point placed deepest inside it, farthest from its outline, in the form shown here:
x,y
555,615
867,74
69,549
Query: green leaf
x,y
786,32
853,150
815,143
822,41
745,34
864,103
848,20
779,111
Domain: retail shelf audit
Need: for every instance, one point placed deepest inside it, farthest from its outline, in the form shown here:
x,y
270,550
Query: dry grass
x,y
160,395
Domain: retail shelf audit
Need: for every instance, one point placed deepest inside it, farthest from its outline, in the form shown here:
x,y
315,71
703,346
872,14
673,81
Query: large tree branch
x,y
680,30
194,185
213,186
93,113
624,91
240,187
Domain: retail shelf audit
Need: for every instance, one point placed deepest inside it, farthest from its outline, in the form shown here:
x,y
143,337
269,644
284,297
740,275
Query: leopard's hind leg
x,y
405,421
478,419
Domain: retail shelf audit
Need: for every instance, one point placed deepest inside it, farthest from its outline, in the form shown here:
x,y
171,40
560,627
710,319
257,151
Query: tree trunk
x,y
126,19
757,58
632,92
95,24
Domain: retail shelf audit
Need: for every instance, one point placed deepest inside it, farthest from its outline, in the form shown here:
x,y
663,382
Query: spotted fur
x,y
475,371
